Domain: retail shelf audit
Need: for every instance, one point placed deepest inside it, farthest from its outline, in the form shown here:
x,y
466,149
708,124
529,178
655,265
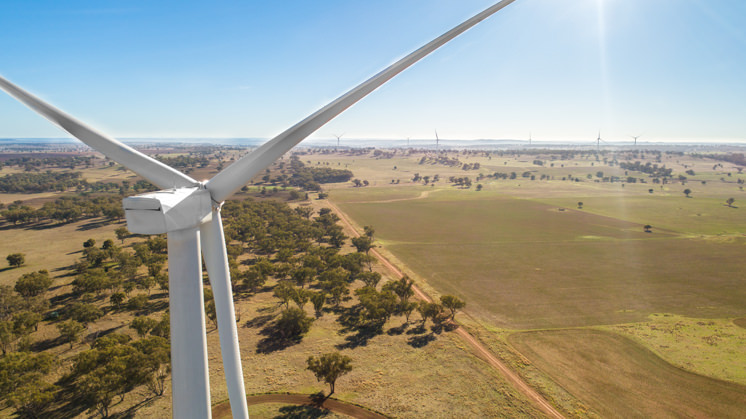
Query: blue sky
x,y
562,70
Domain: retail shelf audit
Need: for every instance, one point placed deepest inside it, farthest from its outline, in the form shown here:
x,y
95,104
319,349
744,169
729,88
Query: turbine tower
x,y
635,137
189,212
598,142
437,142
338,137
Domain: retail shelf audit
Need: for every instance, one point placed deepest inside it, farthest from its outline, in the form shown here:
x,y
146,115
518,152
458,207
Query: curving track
x,y
223,410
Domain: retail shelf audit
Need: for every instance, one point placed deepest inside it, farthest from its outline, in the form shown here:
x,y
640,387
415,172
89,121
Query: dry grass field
x,y
524,255
652,308
404,372
618,378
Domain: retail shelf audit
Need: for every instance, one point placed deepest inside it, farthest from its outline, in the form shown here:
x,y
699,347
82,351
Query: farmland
x,y
402,369
560,246
547,248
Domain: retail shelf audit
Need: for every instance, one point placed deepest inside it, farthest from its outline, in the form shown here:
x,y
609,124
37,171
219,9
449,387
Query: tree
x,y
580,205
363,244
143,325
137,302
122,233
33,284
89,243
85,313
33,396
401,287
158,362
16,260
406,309
92,280
647,228
22,384
284,291
730,202
293,324
429,311
303,275
7,336
70,330
452,303
334,283
687,192
117,299
318,299
378,306
25,321
300,297
329,367
370,279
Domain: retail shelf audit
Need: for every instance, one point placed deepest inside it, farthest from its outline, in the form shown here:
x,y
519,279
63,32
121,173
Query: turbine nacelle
x,y
167,210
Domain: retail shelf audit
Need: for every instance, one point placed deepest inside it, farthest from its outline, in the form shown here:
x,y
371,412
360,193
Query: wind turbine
x,y
189,212
636,137
437,142
338,137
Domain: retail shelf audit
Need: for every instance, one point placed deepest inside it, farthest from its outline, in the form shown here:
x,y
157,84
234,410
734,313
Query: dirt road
x,y
223,410
480,350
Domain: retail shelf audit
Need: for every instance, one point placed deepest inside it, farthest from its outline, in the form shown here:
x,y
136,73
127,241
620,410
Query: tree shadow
x,y
259,321
419,337
45,226
68,403
62,299
358,332
362,336
43,345
420,341
441,327
274,341
420,329
319,398
131,412
91,337
395,331
93,225
305,412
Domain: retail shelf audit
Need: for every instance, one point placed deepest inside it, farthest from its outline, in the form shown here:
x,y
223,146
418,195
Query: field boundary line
x,y
477,348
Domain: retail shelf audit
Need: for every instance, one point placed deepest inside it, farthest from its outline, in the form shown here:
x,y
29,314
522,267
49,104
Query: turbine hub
x,y
167,210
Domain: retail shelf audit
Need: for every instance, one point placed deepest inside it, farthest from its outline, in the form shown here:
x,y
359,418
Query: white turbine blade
x,y
238,174
156,172
190,380
216,260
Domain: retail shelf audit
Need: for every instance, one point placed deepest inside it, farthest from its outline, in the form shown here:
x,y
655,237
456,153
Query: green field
x,y
525,264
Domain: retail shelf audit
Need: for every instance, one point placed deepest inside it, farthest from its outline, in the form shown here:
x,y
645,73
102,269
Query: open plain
x,y
585,276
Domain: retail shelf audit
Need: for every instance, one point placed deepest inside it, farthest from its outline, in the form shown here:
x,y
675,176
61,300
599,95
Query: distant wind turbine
x,y
437,141
189,211
636,137
338,137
